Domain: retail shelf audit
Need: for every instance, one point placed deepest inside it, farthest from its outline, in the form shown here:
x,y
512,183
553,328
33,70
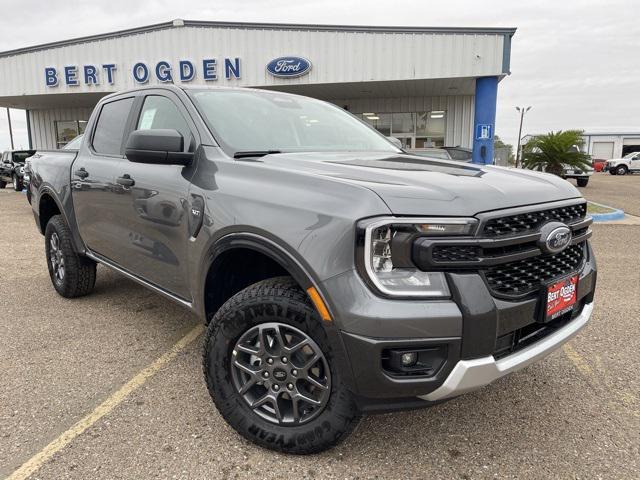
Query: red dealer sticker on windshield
x,y
561,296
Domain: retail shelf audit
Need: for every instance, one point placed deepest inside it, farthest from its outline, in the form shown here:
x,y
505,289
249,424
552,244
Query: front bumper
x,y
467,330
470,375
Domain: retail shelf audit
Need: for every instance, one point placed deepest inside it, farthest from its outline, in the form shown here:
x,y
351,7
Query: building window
x,y
379,121
415,130
430,129
67,130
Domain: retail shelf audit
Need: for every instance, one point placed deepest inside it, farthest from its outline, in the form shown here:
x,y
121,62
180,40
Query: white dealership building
x,y
425,86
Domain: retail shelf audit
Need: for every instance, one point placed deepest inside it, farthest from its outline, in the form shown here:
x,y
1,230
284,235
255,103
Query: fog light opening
x,y
409,359
421,360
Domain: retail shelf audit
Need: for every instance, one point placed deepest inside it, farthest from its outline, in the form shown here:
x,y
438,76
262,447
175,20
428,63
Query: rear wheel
x,y
17,183
582,182
3,184
72,275
621,170
269,369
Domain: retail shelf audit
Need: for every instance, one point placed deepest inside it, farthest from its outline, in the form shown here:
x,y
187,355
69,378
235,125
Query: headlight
x,y
387,254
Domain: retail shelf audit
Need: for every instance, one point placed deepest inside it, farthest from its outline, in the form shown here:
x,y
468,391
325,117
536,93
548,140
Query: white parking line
x,y
39,459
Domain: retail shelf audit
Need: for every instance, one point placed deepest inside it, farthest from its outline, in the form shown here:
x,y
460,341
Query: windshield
x,y
630,155
247,120
73,144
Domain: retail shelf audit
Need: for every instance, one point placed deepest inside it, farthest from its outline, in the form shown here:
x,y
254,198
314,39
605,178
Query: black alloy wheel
x,y
56,258
281,373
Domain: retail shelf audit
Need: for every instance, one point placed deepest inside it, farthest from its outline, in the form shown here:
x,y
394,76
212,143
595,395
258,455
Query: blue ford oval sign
x,y
287,67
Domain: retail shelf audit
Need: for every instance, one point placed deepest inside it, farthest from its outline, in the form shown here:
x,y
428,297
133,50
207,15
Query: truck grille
x,y
531,221
454,253
526,276
508,251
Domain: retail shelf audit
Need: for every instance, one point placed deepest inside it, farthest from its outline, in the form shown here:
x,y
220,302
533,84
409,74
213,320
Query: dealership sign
x,y
142,72
285,67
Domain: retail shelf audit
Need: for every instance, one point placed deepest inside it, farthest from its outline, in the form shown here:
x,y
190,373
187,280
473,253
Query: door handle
x,y
126,180
82,173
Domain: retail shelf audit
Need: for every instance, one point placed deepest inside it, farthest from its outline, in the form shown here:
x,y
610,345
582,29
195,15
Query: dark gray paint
x,y
300,208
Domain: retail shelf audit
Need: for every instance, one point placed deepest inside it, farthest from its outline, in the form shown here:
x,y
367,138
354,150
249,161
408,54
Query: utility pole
x,y
10,130
522,111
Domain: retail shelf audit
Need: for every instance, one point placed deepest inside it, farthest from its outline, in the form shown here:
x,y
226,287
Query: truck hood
x,y
413,185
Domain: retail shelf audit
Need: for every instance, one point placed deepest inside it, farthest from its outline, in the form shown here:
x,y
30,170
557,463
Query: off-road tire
x,y
2,184
17,183
582,182
274,300
621,170
79,271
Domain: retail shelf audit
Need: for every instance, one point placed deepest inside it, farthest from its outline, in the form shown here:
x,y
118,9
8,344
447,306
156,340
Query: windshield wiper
x,y
255,153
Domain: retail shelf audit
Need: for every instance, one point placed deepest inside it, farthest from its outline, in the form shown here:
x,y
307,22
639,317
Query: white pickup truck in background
x,y
630,163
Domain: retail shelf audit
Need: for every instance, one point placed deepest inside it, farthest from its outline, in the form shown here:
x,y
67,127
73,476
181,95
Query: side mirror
x,y
396,141
161,147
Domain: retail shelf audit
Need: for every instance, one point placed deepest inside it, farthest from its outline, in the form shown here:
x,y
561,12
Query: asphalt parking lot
x,y
615,190
574,415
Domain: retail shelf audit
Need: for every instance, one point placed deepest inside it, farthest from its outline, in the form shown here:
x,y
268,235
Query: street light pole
x,y
522,111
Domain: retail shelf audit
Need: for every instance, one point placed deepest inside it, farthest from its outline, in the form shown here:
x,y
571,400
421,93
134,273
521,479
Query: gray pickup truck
x,y
338,275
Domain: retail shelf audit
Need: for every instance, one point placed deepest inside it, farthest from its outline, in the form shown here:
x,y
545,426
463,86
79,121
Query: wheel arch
x,y
288,263
266,257
48,206
45,205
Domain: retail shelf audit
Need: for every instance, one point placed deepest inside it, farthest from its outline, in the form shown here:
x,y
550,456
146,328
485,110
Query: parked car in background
x,y
430,152
12,168
598,164
630,163
74,144
580,175
459,153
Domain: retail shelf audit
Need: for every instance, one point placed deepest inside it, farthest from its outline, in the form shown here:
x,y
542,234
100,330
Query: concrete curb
x,y
617,214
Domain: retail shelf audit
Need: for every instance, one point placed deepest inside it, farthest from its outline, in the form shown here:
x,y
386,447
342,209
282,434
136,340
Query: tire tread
x,y
285,291
80,271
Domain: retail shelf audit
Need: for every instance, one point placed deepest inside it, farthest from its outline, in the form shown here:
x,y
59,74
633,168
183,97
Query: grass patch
x,y
593,208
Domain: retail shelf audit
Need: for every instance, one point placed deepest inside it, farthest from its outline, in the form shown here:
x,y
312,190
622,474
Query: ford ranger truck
x,y
337,274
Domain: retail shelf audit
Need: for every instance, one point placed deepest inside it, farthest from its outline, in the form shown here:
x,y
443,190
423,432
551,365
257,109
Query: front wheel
x,y
270,371
582,182
72,275
2,184
17,183
621,170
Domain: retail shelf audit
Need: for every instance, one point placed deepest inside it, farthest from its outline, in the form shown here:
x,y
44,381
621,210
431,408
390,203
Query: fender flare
x,y
260,243
298,270
46,189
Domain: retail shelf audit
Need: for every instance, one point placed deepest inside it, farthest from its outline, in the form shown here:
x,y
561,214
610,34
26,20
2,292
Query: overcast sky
x,y
577,63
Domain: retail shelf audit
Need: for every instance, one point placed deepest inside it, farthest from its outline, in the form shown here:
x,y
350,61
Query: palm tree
x,y
556,151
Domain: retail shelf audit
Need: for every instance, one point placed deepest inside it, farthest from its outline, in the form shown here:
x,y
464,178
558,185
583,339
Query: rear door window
x,y
110,127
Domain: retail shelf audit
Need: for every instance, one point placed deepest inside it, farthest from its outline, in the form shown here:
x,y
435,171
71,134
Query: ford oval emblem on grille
x,y
286,67
554,237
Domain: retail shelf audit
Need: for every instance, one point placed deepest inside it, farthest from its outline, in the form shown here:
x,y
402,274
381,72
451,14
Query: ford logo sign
x,y
286,67
554,237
